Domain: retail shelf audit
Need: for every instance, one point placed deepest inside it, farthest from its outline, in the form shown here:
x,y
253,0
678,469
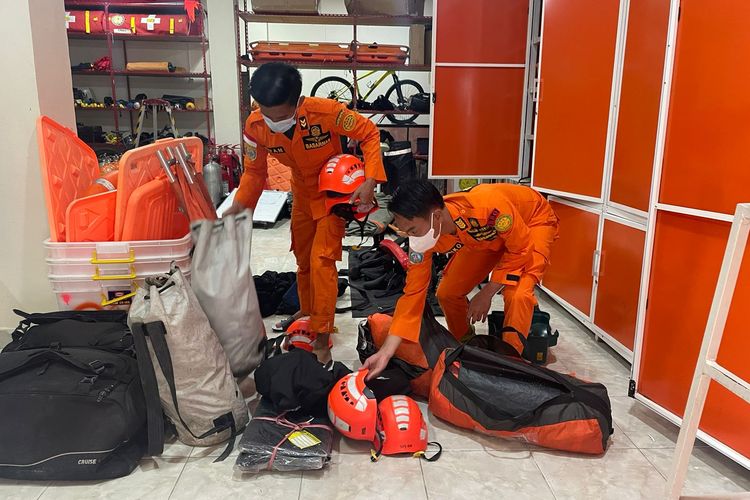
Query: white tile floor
x,y
472,466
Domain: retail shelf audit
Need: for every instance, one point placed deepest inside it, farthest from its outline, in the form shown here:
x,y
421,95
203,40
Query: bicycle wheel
x,y
334,87
401,103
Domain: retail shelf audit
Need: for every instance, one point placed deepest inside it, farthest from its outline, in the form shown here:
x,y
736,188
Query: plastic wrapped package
x,y
289,441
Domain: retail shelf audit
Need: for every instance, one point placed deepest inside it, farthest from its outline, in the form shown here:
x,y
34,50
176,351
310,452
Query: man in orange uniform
x,y
501,230
304,132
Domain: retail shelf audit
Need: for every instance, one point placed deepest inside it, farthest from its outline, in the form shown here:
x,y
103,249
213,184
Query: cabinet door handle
x,y
595,264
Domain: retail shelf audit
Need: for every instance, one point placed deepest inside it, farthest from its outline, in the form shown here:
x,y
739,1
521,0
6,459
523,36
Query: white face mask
x,y
425,242
283,125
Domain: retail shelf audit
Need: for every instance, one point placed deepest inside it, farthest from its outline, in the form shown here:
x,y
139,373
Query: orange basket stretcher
x,y
385,54
301,51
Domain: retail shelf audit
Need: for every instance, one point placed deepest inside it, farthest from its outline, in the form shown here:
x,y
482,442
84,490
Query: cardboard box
x,y
428,45
385,7
417,44
285,6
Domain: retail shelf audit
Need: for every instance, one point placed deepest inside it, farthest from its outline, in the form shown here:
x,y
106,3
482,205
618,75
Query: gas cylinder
x,y
212,174
107,182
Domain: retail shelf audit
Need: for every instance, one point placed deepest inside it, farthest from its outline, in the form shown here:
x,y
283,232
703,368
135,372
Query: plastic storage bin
x,y
97,275
78,293
156,249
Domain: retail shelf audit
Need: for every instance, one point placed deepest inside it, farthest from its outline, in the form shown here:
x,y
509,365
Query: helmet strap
x,y
375,454
362,225
433,458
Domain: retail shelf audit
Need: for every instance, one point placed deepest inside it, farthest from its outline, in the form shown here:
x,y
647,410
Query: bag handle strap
x,y
154,413
94,368
53,317
157,333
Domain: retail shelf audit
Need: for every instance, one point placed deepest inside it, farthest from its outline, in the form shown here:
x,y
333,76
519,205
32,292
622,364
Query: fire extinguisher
x,y
230,163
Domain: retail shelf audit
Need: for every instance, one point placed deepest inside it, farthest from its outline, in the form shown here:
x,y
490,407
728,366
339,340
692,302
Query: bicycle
x,y
335,87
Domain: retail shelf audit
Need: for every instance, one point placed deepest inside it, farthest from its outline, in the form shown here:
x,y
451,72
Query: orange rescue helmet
x,y
401,428
352,407
299,335
339,178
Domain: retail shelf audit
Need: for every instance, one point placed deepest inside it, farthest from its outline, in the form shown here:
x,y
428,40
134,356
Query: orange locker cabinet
x,y
708,133
479,71
481,31
477,121
639,102
687,257
577,63
619,280
570,275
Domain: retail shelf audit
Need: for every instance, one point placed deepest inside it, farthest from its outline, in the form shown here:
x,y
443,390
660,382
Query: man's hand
x,y
480,304
234,209
364,196
378,361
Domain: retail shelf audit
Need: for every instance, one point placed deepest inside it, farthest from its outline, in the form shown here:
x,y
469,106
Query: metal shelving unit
x,y
243,17
337,19
160,74
111,37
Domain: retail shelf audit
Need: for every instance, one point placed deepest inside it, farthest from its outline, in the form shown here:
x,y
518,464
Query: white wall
x,y
223,47
36,49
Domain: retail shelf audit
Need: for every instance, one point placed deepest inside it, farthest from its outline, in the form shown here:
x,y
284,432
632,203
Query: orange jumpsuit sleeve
x,y
352,124
407,319
514,232
255,172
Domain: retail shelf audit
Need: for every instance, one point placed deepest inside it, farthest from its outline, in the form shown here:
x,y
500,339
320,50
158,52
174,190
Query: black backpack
x,y
73,407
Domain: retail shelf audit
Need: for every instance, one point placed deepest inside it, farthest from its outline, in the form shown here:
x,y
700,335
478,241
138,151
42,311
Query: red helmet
x,y
339,178
401,428
299,335
352,407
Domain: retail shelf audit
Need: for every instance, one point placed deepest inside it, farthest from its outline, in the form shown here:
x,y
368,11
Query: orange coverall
x,y
504,230
316,237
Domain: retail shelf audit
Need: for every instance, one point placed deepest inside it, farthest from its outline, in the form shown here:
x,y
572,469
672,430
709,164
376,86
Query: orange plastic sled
x,y
300,51
375,53
138,167
69,166
152,214
92,218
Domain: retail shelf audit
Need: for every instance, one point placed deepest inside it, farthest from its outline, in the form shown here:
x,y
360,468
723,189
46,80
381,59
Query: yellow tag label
x,y
303,439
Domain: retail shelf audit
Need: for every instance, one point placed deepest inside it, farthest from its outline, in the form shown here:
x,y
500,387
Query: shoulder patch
x,y
251,147
249,141
460,223
349,122
504,223
415,257
339,117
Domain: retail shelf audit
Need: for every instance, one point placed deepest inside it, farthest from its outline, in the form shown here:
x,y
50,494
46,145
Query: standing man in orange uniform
x,y
304,132
501,230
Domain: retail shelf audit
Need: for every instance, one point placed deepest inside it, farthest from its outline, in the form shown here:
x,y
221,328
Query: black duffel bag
x,y
73,407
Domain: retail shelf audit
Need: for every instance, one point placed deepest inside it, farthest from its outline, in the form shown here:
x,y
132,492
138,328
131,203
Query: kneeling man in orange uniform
x,y
501,230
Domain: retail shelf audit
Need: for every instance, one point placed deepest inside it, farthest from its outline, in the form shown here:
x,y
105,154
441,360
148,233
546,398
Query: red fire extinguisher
x,y
230,166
